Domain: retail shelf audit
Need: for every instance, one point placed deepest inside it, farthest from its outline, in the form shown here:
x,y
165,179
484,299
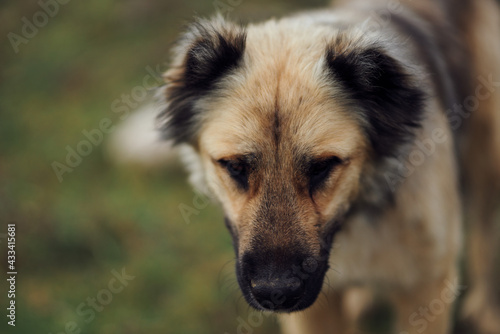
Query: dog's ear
x,y
206,53
391,103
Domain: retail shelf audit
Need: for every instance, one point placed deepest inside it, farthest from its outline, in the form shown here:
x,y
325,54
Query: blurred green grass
x,y
71,235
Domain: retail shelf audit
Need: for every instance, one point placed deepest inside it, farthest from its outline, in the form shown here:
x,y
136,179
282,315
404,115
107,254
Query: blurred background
x,y
103,248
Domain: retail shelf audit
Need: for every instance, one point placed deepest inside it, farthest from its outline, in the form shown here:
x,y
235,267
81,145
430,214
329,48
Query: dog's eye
x,y
320,170
238,170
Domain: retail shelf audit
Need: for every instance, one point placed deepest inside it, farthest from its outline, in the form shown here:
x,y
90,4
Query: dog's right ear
x,y
206,53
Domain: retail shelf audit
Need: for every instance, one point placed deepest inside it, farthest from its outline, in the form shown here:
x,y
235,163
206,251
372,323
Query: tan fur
x,y
310,121
280,105
429,233
323,317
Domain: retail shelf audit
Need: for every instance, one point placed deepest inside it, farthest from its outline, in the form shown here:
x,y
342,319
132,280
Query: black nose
x,y
274,280
277,293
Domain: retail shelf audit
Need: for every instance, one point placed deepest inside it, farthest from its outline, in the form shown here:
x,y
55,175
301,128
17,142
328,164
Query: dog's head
x,y
285,119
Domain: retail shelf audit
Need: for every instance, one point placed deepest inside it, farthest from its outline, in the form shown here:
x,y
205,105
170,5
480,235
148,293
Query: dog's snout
x,y
275,280
279,293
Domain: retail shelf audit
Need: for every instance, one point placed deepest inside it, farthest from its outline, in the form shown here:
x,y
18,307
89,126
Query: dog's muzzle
x,y
280,282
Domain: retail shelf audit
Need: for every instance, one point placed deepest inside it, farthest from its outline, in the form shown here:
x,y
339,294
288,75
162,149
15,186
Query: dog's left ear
x,y
206,53
391,103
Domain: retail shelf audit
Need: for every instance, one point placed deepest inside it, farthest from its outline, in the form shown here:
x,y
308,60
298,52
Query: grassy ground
x,y
72,235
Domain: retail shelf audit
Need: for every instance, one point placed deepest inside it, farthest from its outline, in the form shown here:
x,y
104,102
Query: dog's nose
x,y
285,279
274,280
277,294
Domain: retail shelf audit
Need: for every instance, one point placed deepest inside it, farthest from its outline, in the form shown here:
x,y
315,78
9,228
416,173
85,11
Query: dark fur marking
x,y
210,59
276,127
391,104
211,56
277,124
319,171
239,171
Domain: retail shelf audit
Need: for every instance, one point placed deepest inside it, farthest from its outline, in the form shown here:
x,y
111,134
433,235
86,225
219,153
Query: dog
x,y
347,147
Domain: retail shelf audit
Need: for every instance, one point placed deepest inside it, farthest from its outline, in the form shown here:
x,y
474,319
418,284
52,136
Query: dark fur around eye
x,y
319,171
238,170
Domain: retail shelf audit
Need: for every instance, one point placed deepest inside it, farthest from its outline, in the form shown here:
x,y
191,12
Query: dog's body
x,y
346,128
